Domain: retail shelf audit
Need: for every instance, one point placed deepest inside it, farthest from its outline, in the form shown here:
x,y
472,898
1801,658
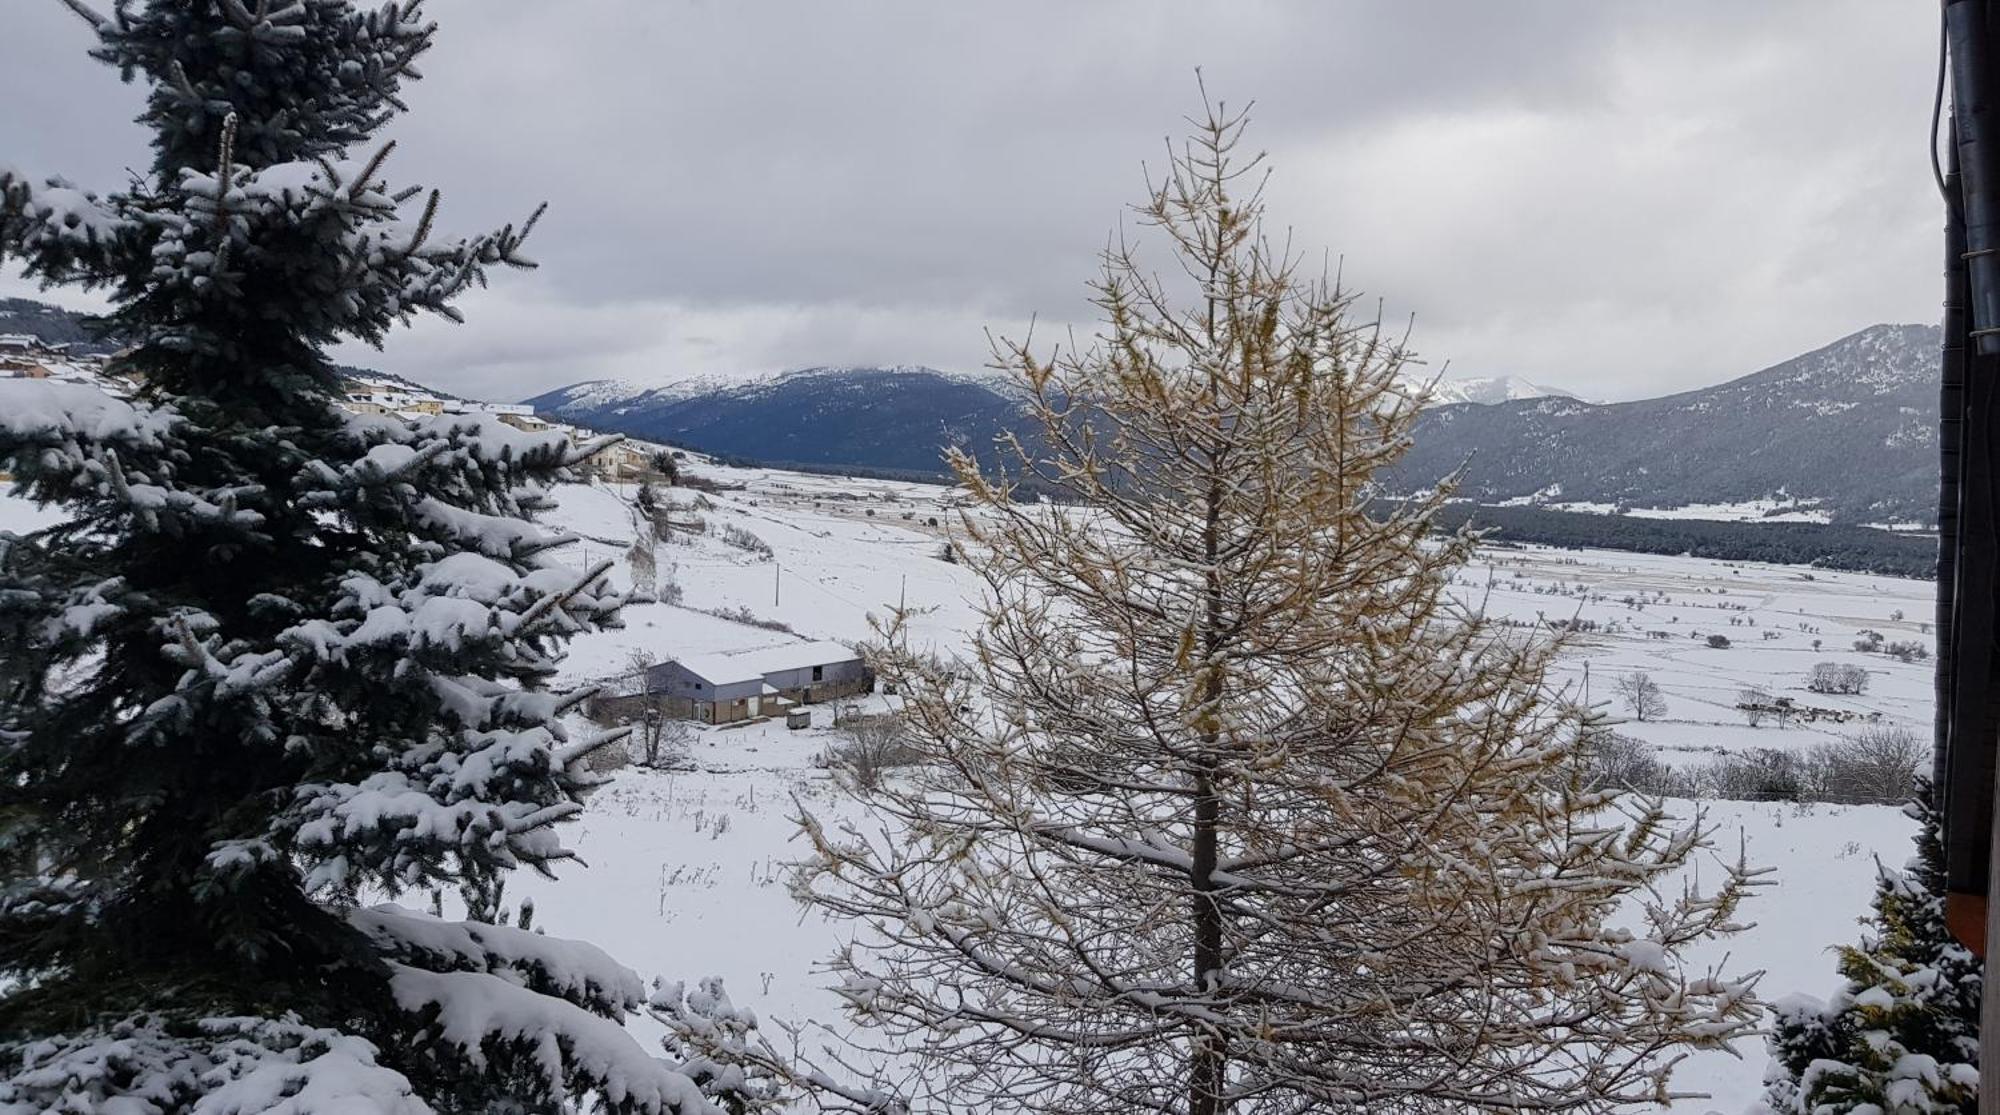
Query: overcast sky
x,y
1616,199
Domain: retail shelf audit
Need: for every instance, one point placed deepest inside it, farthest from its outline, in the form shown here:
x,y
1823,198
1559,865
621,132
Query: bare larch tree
x,y
1239,811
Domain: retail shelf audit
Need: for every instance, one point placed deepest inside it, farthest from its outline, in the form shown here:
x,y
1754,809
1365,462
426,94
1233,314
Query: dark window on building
x,y
819,673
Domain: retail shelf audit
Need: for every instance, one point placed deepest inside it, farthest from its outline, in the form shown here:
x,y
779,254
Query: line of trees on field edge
x,y
1850,549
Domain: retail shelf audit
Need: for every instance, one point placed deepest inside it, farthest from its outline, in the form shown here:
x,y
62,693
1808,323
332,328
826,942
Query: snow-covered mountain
x,y
1484,390
897,418
1849,429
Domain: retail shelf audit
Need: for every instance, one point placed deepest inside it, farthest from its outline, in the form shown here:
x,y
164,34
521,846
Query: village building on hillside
x,y
473,406
527,422
622,461
616,462
745,685
363,397
127,375
27,357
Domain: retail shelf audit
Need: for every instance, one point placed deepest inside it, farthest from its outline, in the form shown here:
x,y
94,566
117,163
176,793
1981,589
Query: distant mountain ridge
x,y
1487,390
897,418
1849,429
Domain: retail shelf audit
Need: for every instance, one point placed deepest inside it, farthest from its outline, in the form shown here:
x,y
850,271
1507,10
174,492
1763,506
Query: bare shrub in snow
x,y
736,536
660,740
1877,765
1759,774
1907,651
1755,704
706,484
741,613
1837,678
667,584
1642,696
645,566
869,747
610,757
1614,761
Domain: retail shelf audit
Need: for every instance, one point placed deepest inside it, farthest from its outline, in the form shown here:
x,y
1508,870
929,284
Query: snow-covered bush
x,y
1902,1032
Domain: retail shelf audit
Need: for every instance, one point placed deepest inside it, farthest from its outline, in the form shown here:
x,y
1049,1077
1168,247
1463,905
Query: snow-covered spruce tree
x,y
1243,814
1902,1033
279,657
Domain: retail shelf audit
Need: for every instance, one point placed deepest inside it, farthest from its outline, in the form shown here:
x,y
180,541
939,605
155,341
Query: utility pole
x,y
777,573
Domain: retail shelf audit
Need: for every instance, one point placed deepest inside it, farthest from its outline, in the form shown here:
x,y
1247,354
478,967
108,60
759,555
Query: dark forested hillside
x,y
52,324
1849,428
1852,426
877,418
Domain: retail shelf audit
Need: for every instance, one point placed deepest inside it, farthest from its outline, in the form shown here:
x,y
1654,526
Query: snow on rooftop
x,y
725,668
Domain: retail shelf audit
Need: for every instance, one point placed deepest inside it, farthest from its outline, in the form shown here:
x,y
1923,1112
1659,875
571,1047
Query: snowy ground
x,y
1746,511
686,871
1655,614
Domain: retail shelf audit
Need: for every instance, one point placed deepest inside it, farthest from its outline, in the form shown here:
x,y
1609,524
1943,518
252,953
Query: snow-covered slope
x,y
686,870
897,418
1484,390
1849,428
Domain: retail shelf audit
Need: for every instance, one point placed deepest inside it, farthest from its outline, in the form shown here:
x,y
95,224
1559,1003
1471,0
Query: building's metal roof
x,y
756,664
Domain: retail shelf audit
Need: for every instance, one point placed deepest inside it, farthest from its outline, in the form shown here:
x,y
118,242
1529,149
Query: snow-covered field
x,y
685,871
1747,511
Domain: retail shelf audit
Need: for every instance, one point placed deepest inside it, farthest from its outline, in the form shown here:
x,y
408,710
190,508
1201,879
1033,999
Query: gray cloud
x,y
1618,199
